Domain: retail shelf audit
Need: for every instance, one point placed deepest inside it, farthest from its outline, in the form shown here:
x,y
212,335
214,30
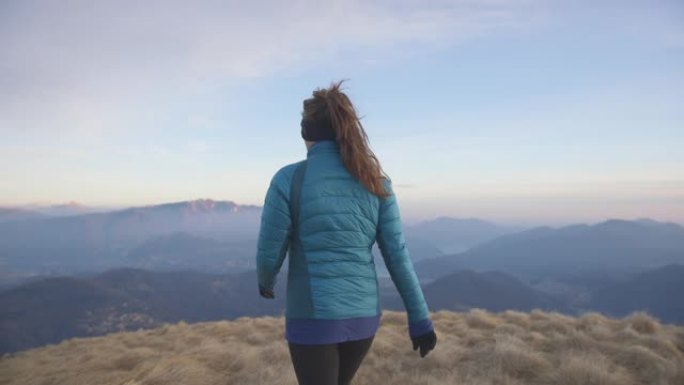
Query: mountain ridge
x,y
49,310
619,244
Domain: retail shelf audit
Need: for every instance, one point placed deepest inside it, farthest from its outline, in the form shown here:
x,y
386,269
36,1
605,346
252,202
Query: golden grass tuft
x,y
474,348
588,368
512,356
643,323
481,319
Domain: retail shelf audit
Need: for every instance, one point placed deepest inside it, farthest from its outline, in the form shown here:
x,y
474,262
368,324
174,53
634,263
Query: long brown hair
x,y
332,106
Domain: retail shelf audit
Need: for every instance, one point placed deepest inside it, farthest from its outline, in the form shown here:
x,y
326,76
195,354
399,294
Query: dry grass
x,y
474,348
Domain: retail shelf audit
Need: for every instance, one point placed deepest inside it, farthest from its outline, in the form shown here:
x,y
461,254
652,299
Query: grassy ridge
x,y
476,347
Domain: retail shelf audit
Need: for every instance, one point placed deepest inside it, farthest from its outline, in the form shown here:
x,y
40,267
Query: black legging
x,y
328,364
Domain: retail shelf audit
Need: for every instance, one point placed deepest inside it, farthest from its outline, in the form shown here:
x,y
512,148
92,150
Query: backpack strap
x,y
295,194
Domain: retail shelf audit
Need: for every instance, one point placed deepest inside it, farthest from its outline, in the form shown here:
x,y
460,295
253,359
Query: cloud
x,y
89,67
404,185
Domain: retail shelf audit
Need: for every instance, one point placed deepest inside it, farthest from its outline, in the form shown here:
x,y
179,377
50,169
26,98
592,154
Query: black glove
x,y
266,293
426,342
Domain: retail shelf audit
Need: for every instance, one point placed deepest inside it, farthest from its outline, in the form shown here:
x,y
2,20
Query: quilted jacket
x,y
331,271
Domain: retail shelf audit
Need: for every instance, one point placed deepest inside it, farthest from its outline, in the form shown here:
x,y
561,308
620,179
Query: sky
x,y
516,111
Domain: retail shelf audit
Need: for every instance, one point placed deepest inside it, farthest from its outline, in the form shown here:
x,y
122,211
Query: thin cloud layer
x,y
115,102
89,66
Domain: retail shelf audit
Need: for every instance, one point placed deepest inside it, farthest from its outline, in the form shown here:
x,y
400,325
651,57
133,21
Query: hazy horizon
x,y
509,111
407,219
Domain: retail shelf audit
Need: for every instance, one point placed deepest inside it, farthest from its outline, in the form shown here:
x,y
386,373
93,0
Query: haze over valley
x,y
74,274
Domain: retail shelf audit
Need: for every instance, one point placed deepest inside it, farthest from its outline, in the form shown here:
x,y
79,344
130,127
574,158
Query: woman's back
x,y
331,271
337,228
326,212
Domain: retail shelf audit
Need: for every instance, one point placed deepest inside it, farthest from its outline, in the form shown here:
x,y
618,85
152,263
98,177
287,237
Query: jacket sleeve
x,y
392,246
273,240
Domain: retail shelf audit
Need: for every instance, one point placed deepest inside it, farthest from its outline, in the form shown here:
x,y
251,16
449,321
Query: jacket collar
x,y
323,146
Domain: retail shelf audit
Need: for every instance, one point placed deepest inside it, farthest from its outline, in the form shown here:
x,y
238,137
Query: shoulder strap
x,y
295,193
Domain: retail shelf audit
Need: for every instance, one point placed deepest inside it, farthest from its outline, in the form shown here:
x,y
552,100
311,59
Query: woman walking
x,y
328,210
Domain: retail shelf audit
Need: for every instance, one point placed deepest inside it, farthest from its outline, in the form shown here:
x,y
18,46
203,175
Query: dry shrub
x,y
678,339
439,315
538,315
509,329
256,338
678,375
550,325
559,317
663,347
126,362
393,318
481,319
626,335
587,369
473,348
476,338
389,342
643,323
602,332
591,320
535,339
517,318
454,327
645,365
577,341
515,359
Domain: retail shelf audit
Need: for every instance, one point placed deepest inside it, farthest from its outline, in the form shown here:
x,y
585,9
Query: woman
x,y
329,210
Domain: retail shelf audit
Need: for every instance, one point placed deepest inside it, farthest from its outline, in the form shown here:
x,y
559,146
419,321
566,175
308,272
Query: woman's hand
x,y
266,293
426,342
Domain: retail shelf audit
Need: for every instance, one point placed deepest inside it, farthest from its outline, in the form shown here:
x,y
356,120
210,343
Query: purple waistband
x,y
326,331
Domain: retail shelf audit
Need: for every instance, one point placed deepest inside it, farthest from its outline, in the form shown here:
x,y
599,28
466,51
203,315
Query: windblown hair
x,y
331,106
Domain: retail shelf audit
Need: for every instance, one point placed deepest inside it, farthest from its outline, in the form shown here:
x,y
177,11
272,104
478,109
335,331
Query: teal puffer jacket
x,y
331,271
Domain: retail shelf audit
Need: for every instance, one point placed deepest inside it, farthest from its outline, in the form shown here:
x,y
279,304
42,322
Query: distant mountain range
x,y
41,211
8,214
614,246
184,251
615,266
493,290
39,244
655,291
454,235
66,209
205,235
53,309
